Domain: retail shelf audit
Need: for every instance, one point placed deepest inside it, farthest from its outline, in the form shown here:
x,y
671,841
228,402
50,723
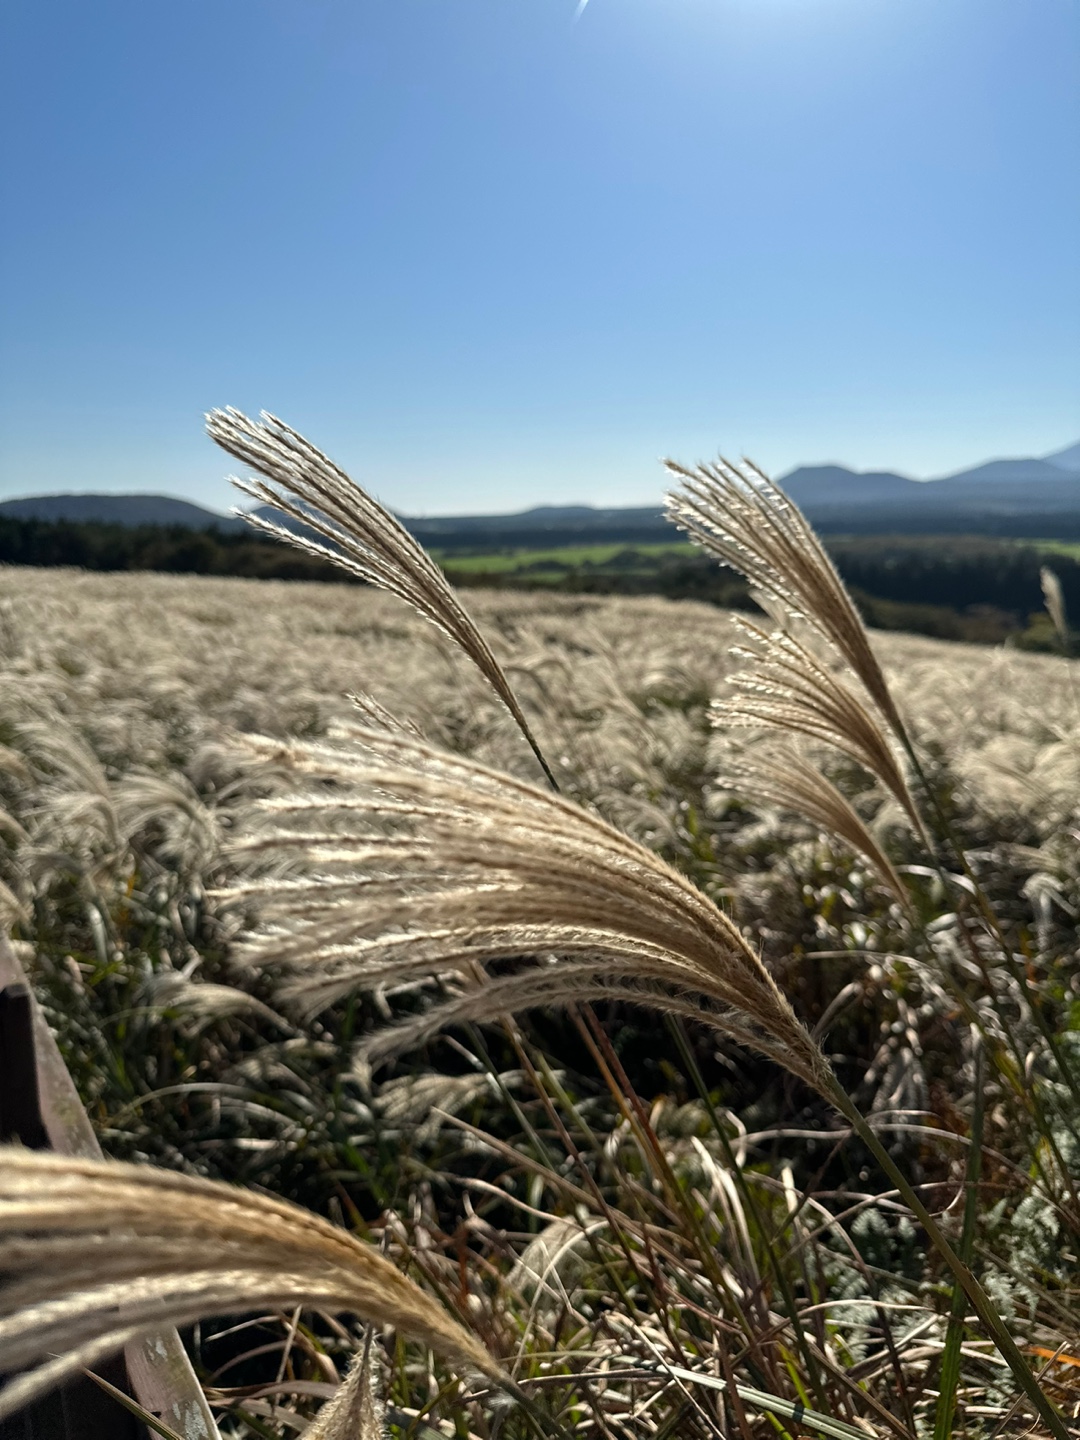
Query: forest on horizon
x,y
973,588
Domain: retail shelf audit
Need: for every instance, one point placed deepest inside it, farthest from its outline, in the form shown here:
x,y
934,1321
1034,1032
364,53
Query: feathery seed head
x,y
789,689
93,1253
738,514
410,862
777,775
1055,602
355,1412
360,535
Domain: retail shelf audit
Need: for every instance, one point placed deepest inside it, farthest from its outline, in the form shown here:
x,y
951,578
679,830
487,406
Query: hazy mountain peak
x,y
1067,459
1042,491
106,509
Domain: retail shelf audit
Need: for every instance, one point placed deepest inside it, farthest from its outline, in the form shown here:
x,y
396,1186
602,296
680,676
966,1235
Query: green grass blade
x,y
784,1409
950,1361
982,1304
153,1423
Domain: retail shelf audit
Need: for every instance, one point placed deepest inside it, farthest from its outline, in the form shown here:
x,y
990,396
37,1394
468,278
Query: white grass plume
x,y
1054,597
777,775
361,535
738,514
411,862
94,1253
356,1411
787,688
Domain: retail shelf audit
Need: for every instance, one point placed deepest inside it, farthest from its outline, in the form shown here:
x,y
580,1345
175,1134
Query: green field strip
x,y
567,557
1071,548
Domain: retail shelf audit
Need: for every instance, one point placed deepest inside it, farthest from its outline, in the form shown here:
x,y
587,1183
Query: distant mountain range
x,y
998,488
134,509
1015,497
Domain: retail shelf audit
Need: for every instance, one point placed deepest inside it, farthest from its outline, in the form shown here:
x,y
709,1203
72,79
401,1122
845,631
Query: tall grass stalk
x,y
981,1303
455,894
499,869
950,1360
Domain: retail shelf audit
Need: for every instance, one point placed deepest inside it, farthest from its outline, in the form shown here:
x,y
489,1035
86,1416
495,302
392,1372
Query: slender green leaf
x,y
950,1362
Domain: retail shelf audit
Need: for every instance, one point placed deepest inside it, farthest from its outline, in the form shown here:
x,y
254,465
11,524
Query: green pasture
x,y
1071,548
567,557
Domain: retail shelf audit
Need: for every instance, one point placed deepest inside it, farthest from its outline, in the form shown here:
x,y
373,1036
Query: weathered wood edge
x,y
158,1367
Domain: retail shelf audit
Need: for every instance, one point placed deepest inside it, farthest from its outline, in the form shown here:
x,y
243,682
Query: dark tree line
x,y
173,549
953,587
958,587
956,571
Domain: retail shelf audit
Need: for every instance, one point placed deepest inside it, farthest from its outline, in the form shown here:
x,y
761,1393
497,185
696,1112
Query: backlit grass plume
x,y
94,1253
738,514
361,535
356,1411
414,863
1054,596
417,863
777,775
787,688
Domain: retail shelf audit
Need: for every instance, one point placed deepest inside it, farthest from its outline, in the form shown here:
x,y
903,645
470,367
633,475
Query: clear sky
x,y
489,255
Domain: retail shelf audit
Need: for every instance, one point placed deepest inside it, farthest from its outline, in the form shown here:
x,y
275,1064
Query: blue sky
x,y
489,256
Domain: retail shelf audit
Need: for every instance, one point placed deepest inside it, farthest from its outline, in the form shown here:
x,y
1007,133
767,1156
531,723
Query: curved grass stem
x,y
980,1301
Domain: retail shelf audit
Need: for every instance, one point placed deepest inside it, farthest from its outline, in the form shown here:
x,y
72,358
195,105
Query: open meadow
x,y
515,925
633,1199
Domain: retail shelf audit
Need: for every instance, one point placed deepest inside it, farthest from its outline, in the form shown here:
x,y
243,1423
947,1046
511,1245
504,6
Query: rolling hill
x,y
137,509
1023,497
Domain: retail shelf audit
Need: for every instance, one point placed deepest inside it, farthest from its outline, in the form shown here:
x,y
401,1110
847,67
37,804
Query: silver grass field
x,y
621,1019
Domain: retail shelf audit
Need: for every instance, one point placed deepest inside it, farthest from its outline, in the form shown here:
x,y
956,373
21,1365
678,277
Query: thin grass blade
x,y
950,1361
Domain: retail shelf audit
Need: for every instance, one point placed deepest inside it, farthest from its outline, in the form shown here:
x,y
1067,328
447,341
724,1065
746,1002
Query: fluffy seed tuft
x,y
407,862
361,535
94,1253
738,514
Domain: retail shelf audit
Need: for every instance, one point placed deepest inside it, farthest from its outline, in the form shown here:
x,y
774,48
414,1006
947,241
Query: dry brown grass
x,y
144,669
